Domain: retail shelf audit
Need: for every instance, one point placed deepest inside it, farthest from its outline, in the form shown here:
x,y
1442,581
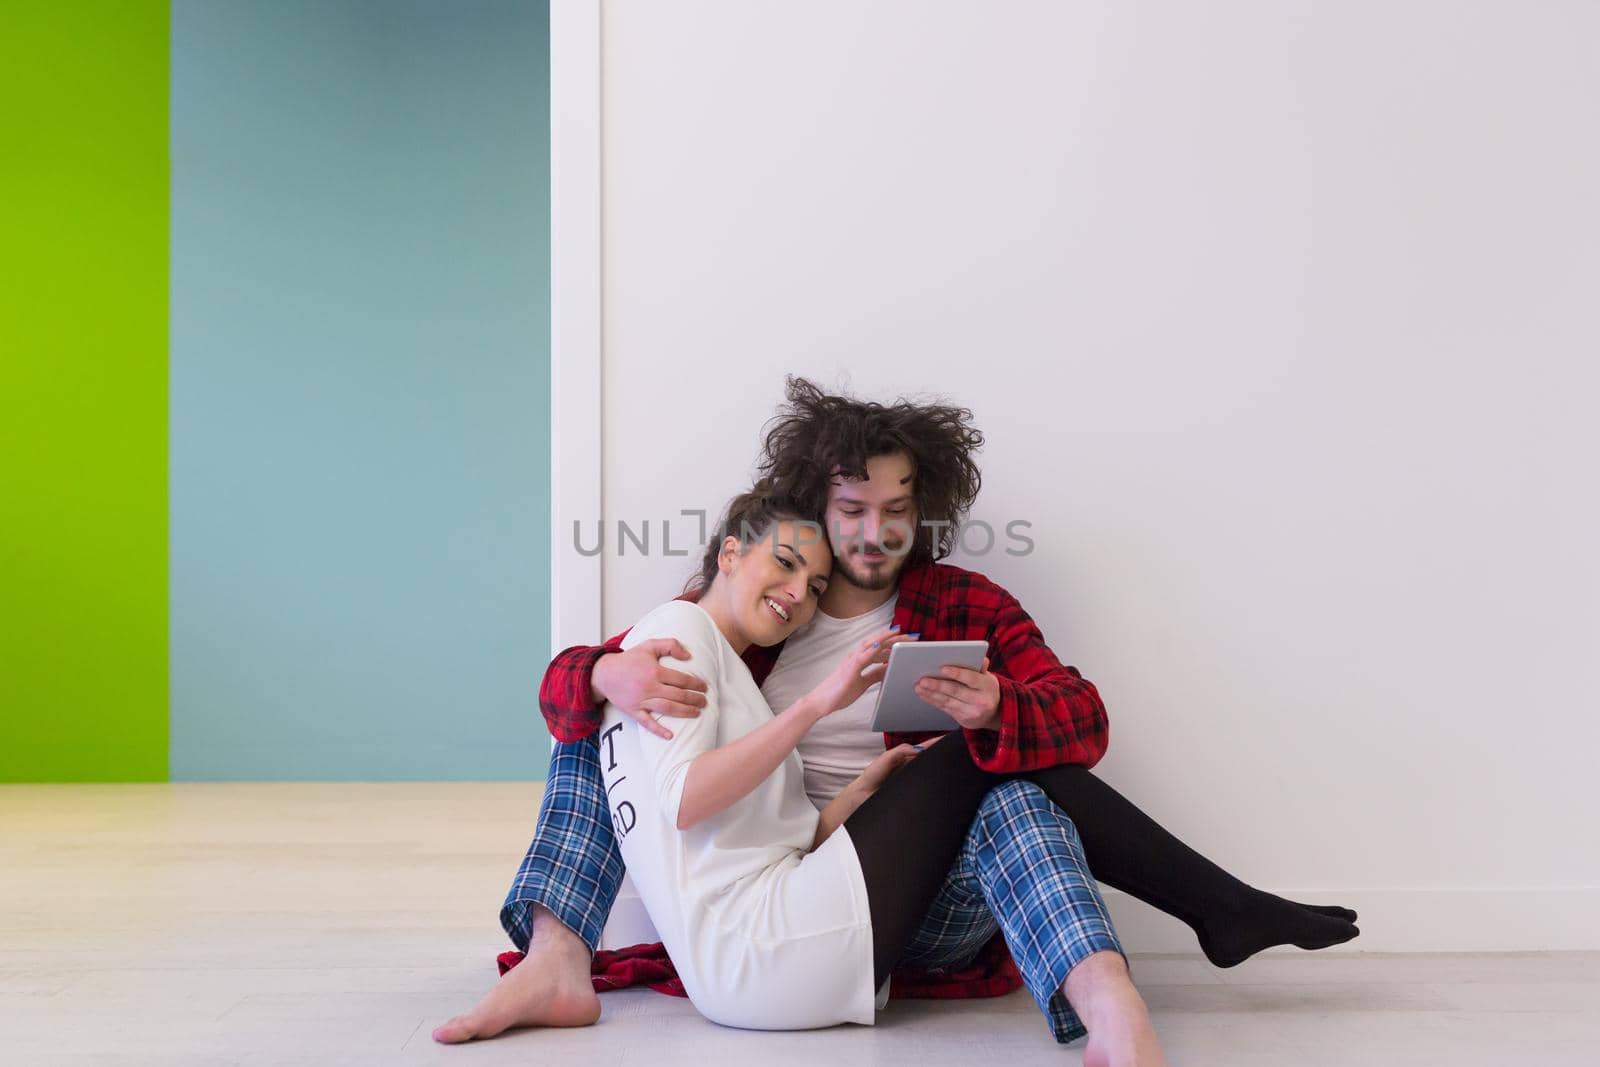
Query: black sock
x,y
1330,910
1128,850
1228,939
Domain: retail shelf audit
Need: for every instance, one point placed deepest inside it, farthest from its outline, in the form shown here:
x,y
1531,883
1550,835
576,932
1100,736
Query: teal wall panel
x,y
359,389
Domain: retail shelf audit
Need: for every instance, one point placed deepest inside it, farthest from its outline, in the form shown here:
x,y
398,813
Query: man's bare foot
x,y
1134,1047
1120,1033
550,987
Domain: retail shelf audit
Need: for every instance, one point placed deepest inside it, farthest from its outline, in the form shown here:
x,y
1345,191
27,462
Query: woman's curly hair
x,y
816,437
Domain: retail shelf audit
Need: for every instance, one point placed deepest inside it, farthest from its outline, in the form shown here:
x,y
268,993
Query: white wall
x,y
1281,321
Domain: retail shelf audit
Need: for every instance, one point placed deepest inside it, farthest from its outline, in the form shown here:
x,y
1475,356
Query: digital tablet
x,y
899,709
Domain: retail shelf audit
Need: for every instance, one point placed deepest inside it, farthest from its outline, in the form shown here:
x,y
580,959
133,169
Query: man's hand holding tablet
x,y
937,686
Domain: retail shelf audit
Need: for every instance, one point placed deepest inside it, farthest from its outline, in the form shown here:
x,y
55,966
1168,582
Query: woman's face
x,y
775,581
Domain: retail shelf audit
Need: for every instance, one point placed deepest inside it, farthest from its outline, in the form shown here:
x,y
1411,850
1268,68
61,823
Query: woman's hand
x,y
856,793
879,770
857,672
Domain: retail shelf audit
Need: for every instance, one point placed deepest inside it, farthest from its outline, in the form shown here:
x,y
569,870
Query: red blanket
x,y
991,974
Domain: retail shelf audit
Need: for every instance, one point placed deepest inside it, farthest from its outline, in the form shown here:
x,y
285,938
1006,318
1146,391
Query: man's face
x,y
872,522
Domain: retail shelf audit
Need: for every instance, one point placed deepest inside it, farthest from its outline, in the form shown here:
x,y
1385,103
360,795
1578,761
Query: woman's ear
x,y
728,553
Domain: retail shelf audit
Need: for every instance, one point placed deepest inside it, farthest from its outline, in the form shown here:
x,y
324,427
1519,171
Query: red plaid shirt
x,y
1049,715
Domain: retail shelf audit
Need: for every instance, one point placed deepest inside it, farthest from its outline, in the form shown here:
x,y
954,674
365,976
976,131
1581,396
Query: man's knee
x,y
1010,795
1020,798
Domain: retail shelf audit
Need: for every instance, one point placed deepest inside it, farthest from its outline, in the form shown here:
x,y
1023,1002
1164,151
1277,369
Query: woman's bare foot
x,y
550,987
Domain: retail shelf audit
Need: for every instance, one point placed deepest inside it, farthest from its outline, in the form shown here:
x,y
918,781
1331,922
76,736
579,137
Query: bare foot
x,y
1134,1047
1120,1033
550,987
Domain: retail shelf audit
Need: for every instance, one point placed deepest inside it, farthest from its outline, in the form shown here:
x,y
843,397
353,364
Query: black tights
x,y
909,834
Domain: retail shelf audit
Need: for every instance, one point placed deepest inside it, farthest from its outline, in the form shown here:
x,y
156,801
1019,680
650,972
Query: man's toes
x,y
455,1031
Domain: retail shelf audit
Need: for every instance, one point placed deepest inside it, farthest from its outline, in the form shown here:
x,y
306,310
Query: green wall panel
x,y
83,391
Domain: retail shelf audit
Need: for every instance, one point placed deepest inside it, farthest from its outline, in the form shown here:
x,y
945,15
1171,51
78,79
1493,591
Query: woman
x,y
762,906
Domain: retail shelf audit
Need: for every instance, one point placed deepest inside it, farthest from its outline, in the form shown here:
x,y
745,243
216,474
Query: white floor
x,y
309,923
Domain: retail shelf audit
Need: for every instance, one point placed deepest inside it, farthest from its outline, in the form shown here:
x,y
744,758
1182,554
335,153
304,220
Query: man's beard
x,y
883,577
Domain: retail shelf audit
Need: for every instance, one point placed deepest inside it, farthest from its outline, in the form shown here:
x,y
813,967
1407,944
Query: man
x,y
892,482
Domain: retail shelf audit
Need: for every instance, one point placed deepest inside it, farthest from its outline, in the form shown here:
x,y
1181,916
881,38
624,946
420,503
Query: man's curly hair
x,y
816,437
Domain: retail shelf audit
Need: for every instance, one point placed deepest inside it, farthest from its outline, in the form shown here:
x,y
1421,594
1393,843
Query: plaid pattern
x,y
1022,860
1023,865
573,866
1049,714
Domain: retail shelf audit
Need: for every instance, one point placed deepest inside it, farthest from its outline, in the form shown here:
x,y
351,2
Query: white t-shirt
x,y
837,749
764,934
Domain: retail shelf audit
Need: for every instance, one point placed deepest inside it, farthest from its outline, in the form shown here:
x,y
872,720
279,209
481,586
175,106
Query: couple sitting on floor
x,y
720,750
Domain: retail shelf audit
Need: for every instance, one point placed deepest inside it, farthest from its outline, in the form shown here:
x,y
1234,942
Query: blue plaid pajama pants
x,y
1021,871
